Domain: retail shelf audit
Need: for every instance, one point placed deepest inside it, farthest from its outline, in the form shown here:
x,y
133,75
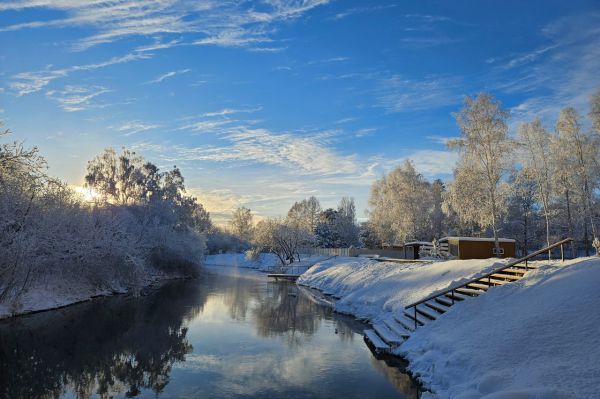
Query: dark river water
x,y
230,334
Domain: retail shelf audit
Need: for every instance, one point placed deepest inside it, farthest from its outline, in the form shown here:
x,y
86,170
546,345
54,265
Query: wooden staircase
x,y
391,332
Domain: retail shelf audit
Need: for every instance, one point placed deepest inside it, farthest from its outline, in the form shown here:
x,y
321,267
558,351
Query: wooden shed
x,y
411,249
478,248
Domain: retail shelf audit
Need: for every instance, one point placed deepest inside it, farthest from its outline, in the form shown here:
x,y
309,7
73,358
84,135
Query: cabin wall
x,y
484,250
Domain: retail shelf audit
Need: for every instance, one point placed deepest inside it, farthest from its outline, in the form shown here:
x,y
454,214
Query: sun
x,y
88,194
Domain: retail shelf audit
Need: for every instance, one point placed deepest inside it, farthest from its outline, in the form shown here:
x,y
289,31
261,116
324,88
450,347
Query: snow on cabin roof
x,y
477,239
418,243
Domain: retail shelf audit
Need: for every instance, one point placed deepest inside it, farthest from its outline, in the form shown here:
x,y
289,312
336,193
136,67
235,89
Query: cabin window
x,y
501,251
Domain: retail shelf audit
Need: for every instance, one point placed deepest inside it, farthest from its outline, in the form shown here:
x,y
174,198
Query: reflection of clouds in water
x,y
250,374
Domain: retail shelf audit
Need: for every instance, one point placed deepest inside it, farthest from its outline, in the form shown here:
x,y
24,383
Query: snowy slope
x,y
265,261
372,290
536,338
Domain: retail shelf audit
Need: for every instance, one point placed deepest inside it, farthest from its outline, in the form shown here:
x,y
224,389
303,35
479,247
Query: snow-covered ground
x,y
54,292
265,261
535,338
372,290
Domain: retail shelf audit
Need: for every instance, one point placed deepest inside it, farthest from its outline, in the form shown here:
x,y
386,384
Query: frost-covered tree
x,y
437,213
579,151
345,223
536,156
281,238
521,222
401,205
595,110
241,223
306,213
479,191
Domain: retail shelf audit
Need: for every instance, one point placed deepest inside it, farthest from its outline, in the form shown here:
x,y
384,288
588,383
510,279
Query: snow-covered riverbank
x,y
536,338
55,293
264,262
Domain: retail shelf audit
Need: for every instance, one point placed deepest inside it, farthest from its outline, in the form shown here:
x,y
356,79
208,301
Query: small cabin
x,y
411,249
478,248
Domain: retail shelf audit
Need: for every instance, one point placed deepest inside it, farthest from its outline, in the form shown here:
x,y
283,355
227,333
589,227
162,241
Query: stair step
x,y
387,335
522,266
506,276
514,271
443,301
430,314
457,296
421,320
377,342
437,306
469,291
408,324
478,286
493,281
396,327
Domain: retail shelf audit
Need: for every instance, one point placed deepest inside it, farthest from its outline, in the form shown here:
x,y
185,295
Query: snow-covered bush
x,y
51,237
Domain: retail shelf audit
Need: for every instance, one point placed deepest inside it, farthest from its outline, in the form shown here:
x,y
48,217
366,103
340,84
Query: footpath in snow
x,y
534,338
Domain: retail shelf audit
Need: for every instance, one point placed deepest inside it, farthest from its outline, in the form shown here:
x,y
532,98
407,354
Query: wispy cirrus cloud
x,y
361,10
30,82
77,98
168,75
397,94
136,126
307,155
223,23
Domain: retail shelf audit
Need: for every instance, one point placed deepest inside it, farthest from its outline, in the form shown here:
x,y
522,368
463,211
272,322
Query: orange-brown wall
x,y
483,249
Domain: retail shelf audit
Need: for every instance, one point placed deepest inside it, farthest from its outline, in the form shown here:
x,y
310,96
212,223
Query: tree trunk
x,y
570,224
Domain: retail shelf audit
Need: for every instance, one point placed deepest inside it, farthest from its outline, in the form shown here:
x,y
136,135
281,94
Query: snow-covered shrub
x,y
50,237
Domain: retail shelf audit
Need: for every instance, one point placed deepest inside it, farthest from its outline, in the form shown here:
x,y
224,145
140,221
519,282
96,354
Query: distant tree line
x,y
537,187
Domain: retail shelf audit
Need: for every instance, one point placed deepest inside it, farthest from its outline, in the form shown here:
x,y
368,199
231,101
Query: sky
x,y
264,103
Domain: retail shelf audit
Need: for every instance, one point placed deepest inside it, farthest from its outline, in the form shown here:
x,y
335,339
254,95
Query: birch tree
x,y
241,223
479,191
536,154
580,152
401,205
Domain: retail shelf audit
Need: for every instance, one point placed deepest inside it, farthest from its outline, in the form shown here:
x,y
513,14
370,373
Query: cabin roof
x,y
484,239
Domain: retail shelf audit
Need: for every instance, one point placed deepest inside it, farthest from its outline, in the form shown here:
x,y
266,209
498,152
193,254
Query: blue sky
x,y
263,103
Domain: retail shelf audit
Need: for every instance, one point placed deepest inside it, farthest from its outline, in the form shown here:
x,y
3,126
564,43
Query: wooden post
x,y
415,317
562,252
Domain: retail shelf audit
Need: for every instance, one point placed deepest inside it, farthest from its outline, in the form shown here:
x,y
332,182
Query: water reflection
x,y
104,347
221,336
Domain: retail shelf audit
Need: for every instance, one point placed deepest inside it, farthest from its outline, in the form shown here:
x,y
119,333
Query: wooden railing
x,y
488,275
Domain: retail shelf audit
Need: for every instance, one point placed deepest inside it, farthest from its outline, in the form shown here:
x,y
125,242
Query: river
x,y
229,334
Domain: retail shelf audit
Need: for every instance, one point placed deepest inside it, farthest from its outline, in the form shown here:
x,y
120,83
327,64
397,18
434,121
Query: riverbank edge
x,y
153,283
318,296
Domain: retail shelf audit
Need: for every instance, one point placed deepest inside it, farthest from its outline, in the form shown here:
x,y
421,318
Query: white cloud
x,y
397,94
136,126
231,111
361,10
365,132
223,23
77,98
431,163
30,82
301,154
168,75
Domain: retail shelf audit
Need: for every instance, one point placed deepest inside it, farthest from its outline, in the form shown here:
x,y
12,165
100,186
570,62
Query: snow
x,y
534,338
55,292
265,261
371,290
